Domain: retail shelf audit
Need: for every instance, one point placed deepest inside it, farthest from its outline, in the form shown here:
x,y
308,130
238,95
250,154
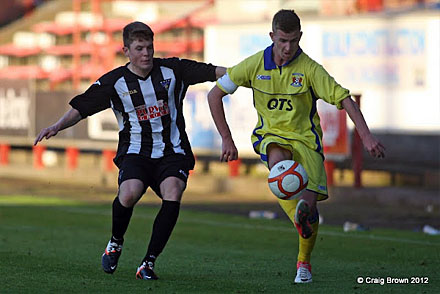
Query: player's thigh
x,y
171,176
172,189
313,163
277,153
274,149
133,178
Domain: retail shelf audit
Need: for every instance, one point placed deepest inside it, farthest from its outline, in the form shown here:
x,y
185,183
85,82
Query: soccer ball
x,y
287,179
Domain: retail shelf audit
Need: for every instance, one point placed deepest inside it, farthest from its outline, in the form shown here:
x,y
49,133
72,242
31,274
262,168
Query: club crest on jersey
x,y
166,83
144,112
297,79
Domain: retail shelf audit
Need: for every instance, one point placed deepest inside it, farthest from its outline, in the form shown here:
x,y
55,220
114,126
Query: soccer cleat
x,y
303,272
145,271
111,256
302,223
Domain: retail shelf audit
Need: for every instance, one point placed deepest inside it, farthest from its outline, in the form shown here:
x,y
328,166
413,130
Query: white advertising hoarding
x,y
393,63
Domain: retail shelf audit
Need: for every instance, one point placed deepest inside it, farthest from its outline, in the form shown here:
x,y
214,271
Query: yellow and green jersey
x,y
285,97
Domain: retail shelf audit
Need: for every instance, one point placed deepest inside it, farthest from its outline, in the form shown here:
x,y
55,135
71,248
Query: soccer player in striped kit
x,y
286,84
146,96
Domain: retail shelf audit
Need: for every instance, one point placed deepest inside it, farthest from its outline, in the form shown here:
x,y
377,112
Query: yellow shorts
x,y
312,161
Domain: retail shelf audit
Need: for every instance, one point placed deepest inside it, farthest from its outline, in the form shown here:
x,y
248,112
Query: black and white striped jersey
x,y
148,110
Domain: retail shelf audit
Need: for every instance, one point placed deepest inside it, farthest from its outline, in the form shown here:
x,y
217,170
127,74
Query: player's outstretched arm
x,y
371,143
69,119
220,71
215,101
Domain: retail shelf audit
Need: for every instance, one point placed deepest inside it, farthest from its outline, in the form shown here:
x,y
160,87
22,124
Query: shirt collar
x,y
269,63
136,75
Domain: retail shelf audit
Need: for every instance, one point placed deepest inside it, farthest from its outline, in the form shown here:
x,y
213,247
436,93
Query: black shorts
x,y
152,171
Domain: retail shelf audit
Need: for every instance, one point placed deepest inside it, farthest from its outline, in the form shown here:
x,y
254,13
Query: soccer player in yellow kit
x,y
286,84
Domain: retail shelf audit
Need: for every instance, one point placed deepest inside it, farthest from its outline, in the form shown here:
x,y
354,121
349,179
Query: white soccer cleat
x,y
303,272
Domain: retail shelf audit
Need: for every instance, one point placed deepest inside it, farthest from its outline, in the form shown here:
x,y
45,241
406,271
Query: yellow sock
x,y
305,245
289,207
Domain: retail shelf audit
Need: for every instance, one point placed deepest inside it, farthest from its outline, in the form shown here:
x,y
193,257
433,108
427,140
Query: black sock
x,y
163,226
120,220
117,241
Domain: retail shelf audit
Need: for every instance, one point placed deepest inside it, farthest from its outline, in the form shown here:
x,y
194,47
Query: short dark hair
x,y
135,30
286,20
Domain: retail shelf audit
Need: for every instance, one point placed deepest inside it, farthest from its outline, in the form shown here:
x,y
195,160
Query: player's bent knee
x,y
172,194
310,197
130,199
172,189
130,192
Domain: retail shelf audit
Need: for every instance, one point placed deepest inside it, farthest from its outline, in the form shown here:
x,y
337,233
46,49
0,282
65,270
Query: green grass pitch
x,y
55,246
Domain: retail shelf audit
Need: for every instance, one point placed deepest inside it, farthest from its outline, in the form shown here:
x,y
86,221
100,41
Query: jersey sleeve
x,y
239,74
190,71
95,99
235,77
226,84
325,87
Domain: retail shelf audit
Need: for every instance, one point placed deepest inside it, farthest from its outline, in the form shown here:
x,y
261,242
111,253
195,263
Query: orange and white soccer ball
x,y
287,179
